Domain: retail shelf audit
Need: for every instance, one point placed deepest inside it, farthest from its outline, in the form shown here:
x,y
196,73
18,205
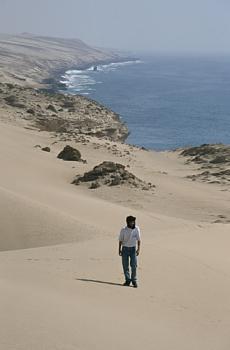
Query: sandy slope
x,y
63,292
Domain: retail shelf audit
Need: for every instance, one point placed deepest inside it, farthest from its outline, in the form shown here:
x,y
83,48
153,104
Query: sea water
x,y
166,101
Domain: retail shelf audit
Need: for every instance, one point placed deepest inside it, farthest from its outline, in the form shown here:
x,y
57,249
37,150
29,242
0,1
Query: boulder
x,y
69,153
46,149
31,111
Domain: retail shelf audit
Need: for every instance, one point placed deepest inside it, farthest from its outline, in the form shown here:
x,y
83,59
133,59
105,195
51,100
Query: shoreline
x,y
42,69
54,83
167,118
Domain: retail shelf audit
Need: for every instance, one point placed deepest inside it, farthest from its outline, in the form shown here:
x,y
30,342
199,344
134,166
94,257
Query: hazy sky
x,y
152,25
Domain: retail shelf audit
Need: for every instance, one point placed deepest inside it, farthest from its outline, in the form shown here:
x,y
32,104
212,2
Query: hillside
x,y
28,59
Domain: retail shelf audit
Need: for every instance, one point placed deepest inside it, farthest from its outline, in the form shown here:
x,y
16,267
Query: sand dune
x,y
60,274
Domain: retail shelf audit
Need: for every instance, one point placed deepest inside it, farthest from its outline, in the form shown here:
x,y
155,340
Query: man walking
x,y
129,236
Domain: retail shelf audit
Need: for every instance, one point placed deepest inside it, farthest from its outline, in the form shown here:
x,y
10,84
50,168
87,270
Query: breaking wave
x,y
83,81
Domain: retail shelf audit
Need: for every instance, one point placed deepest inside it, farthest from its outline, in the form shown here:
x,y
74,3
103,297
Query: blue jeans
x,y
129,256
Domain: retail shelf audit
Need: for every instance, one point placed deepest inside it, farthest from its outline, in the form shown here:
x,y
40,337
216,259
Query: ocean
x,y
166,101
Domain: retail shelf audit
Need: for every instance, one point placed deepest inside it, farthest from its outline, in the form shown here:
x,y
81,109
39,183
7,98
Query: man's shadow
x,y
98,281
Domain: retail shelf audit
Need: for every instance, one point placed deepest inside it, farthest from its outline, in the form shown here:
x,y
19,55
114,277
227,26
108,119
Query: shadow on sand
x,y
97,281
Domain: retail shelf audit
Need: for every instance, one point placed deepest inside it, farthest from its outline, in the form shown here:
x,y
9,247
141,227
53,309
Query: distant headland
x,y
38,61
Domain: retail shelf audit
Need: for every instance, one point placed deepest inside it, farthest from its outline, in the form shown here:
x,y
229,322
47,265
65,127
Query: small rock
x,y
94,185
46,149
52,108
116,181
31,111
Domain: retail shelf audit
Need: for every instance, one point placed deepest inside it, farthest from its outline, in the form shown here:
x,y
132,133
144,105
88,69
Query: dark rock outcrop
x,y
14,102
208,153
46,149
52,108
69,153
57,113
215,158
219,160
111,174
203,150
31,111
218,177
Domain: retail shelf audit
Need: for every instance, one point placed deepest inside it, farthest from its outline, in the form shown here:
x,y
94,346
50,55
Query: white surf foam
x,y
83,80
112,65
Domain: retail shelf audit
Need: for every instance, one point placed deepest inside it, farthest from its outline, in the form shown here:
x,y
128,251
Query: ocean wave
x,y
125,63
112,65
78,82
73,71
83,80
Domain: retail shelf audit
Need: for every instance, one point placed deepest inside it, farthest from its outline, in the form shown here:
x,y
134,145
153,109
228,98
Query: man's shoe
x,y
127,283
134,284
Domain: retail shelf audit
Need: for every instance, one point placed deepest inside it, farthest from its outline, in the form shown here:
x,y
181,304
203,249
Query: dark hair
x,y
130,218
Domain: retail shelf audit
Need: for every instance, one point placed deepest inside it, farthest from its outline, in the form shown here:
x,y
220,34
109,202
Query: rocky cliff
x,y
31,60
67,116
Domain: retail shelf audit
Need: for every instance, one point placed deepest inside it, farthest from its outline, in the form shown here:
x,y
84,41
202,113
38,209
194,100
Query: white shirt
x,y
129,236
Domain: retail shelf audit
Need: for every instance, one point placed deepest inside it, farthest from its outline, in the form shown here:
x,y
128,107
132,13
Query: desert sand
x,y
60,273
